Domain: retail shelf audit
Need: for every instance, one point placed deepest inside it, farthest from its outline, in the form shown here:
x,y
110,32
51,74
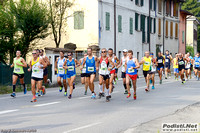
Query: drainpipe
x,y
149,34
115,27
163,26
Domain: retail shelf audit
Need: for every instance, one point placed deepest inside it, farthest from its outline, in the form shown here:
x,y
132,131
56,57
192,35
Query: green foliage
x,y
190,49
193,6
21,23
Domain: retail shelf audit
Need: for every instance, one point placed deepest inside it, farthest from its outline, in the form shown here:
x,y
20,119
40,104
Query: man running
x,y
146,62
175,66
181,67
61,72
197,66
46,60
116,71
160,65
37,65
122,63
187,66
104,71
112,72
83,73
92,66
191,64
70,65
152,70
168,58
131,66
18,64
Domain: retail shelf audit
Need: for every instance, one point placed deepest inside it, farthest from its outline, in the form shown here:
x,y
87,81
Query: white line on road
x,y
8,111
45,104
83,127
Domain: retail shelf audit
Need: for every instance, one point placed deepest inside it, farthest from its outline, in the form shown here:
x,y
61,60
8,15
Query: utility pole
x,y
149,34
115,42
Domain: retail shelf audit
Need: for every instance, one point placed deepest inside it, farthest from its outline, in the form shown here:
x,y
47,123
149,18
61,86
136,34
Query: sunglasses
x,y
103,51
69,55
33,53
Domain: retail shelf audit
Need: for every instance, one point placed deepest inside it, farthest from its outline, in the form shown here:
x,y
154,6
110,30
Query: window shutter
x,y
183,36
142,2
79,20
151,4
119,23
136,2
154,25
166,29
155,1
171,29
159,27
131,26
136,21
107,21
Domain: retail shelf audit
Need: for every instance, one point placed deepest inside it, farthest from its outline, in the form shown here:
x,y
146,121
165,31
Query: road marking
x,y
8,111
45,104
83,127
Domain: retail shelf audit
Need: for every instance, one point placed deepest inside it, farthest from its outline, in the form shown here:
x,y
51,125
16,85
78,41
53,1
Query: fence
x,y
6,74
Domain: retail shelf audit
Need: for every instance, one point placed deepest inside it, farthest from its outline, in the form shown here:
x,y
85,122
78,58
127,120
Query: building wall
x,y
182,33
190,33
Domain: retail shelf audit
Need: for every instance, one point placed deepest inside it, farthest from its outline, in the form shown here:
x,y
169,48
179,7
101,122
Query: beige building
x,y
191,30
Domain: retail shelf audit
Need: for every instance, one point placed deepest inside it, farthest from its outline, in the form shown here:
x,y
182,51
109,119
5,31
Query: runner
x,y
168,58
122,63
197,66
131,66
18,64
61,72
105,61
91,67
181,67
37,65
187,66
175,66
83,74
152,70
70,65
46,60
116,70
112,72
160,65
146,62
191,65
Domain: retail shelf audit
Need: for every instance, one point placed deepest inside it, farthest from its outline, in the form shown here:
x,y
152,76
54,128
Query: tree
x,y
58,15
193,6
190,49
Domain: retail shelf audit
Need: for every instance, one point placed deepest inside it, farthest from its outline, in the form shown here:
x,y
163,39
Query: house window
x,y
119,23
136,21
195,35
78,20
154,25
107,21
168,7
142,27
160,6
176,31
151,4
183,36
159,27
166,29
175,8
139,2
131,26
171,30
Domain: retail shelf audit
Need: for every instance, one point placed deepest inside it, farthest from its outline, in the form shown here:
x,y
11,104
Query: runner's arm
x,y
84,59
47,60
97,63
120,64
137,64
77,63
125,65
12,64
118,61
56,64
24,64
142,61
30,66
113,65
64,65
43,63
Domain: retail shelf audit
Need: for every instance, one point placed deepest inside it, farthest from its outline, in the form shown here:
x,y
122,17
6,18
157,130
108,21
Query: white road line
x,y
83,127
8,111
45,104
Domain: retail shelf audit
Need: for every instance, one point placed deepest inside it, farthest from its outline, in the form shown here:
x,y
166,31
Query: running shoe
x,y
198,78
109,96
34,99
150,81
147,90
37,94
103,95
153,87
129,94
70,96
25,90
93,96
116,78
115,82
13,95
126,92
165,77
49,81
65,94
41,93
160,81
100,95
60,89
85,93
73,85
134,96
107,99
43,90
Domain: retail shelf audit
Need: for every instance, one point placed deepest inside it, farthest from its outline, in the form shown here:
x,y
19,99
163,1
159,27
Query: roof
x,y
186,12
58,49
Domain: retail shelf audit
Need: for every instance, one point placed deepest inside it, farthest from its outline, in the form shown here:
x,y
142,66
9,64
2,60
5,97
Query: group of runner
x,y
107,66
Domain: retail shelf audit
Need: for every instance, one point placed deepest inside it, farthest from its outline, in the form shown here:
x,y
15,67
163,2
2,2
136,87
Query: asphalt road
x,y
54,113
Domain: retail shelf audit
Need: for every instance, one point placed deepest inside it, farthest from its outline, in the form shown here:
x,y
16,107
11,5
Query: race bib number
x,y
130,70
196,63
146,63
166,60
160,61
181,63
91,69
17,69
70,68
61,71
